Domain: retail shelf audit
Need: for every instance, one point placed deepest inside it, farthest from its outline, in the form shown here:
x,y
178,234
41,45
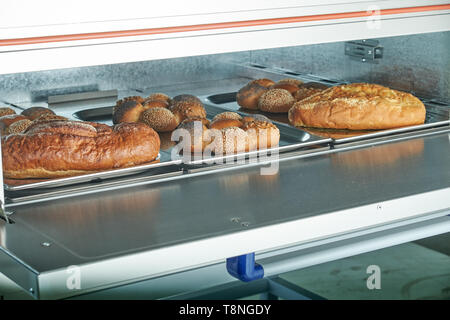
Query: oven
x,y
174,228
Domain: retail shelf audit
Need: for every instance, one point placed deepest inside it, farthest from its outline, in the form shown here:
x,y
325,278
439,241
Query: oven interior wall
x,y
416,63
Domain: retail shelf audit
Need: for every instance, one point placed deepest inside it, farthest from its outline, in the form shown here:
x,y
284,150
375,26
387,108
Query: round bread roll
x,y
158,110
160,119
19,126
128,111
226,123
266,133
247,97
228,140
305,92
198,135
308,89
122,101
230,133
186,98
204,121
147,104
291,85
292,81
35,112
227,115
187,106
159,96
4,111
292,88
276,101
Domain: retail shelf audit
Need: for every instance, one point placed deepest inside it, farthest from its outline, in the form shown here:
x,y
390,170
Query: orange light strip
x,y
213,26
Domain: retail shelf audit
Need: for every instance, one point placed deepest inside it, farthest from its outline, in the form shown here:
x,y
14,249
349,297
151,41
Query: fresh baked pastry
x,y
358,106
291,85
35,112
158,110
276,101
6,121
4,111
308,89
65,148
268,96
19,126
187,106
230,133
160,119
247,97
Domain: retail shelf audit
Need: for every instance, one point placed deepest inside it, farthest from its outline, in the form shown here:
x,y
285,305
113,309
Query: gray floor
x,y
419,270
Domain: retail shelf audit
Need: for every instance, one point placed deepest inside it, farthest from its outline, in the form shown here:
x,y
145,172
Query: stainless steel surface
x,y
340,249
188,209
410,63
31,195
407,64
92,231
394,132
93,95
364,50
91,177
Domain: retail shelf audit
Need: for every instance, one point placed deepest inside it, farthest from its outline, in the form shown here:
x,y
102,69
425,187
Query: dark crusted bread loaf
x,y
65,148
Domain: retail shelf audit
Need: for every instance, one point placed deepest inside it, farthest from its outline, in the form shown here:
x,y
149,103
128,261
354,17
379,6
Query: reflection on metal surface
x,y
107,220
383,155
2,235
166,141
245,183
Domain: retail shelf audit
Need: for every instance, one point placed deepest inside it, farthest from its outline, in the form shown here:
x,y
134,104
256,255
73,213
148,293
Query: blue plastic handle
x,y
244,267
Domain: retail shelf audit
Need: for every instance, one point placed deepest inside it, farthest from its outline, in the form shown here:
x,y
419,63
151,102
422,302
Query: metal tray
x,y
290,138
114,183
437,114
162,160
95,114
227,101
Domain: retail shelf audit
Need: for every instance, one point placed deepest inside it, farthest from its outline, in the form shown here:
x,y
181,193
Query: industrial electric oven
x,y
174,228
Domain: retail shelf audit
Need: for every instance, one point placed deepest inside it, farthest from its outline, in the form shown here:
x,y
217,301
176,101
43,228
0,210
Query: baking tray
x,y
162,160
158,174
101,114
437,114
227,100
290,137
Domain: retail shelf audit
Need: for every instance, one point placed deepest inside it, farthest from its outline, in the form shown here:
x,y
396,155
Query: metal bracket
x,y
244,267
3,213
364,50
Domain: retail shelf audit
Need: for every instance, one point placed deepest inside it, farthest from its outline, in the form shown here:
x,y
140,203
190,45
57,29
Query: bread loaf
x,y
358,106
65,148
